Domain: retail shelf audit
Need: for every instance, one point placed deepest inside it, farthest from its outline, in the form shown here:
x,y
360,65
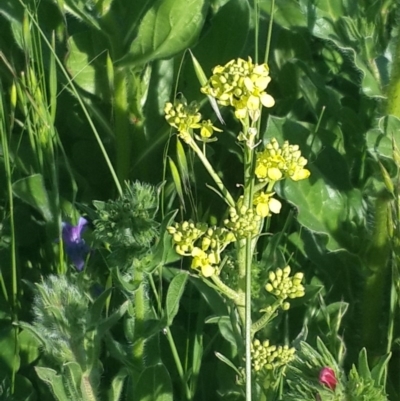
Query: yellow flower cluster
x,y
187,118
276,163
265,204
266,356
240,84
185,234
206,254
284,286
243,222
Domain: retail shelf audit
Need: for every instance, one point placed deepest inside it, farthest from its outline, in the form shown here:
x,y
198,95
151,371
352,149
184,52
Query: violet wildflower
x,y
327,378
75,245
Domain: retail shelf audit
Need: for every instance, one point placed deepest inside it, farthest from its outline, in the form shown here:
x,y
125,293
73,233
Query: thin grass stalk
x,y
271,22
71,84
14,273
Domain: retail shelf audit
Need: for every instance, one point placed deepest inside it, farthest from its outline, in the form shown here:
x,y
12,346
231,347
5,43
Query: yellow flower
x,y
276,163
183,117
203,262
207,129
265,204
241,84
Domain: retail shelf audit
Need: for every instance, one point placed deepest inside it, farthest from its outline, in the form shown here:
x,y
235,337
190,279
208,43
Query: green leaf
x,y
83,10
380,139
55,382
169,27
106,324
379,371
28,347
72,379
117,385
175,292
362,366
86,62
163,252
228,362
8,348
323,208
33,191
154,384
177,180
287,13
97,307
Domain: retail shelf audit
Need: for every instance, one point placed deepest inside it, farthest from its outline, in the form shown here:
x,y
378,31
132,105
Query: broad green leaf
x,y
380,139
55,382
211,296
154,384
323,208
287,13
28,347
8,349
24,390
229,28
87,62
174,294
169,27
33,191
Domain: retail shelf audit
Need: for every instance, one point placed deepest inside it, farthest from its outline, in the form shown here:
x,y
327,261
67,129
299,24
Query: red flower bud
x,y
327,377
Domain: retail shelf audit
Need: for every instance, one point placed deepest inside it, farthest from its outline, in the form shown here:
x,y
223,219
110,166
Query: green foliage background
x,y
91,79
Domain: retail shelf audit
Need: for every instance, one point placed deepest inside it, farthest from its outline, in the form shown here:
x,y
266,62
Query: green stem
x,y
80,101
178,364
228,291
14,274
264,319
271,21
211,171
140,311
376,260
393,89
122,131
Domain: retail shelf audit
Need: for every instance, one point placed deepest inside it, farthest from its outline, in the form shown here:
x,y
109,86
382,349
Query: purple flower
x,y
74,244
327,378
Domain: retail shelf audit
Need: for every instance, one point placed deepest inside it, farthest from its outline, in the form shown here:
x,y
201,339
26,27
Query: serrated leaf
x,y
168,27
174,294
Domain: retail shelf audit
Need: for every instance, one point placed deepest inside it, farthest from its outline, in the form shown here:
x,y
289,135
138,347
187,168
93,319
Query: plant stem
x,y
376,260
393,89
178,364
14,274
211,171
122,134
140,311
